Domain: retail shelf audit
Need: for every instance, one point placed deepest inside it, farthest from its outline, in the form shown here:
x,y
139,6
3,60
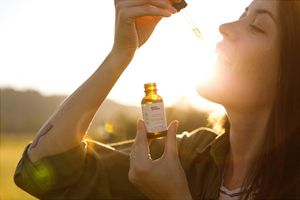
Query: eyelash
x,y
256,29
242,16
253,27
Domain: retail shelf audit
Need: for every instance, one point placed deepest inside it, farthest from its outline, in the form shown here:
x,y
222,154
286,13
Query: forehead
x,y
269,5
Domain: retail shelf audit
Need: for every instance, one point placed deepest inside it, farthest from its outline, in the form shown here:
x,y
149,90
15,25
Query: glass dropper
x,y
188,19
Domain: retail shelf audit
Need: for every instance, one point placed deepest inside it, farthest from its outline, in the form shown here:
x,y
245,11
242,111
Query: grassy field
x,y
11,149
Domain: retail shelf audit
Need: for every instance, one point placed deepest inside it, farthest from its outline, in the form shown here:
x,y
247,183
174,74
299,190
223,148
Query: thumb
x,y
171,143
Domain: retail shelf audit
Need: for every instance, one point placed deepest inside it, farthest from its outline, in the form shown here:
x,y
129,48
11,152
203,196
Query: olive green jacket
x,y
97,171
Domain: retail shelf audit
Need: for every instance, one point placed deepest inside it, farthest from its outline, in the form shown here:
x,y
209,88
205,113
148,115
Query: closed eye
x,y
256,29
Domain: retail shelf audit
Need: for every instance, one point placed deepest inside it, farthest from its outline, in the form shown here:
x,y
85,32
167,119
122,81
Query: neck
x,y
247,133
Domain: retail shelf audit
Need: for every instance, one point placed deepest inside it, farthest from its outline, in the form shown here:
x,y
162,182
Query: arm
x,y
67,126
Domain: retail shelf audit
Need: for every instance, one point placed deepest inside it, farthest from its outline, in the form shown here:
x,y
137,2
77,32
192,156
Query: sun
x,y
200,71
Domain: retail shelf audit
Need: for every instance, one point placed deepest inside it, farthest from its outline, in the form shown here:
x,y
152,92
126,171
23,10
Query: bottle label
x,y
154,117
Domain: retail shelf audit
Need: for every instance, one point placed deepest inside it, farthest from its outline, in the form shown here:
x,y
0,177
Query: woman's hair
x,y
276,172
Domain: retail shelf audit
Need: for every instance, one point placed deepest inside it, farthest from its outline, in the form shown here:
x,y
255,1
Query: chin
x,y
209,91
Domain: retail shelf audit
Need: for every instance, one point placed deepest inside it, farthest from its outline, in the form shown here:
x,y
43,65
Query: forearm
x,y
67,126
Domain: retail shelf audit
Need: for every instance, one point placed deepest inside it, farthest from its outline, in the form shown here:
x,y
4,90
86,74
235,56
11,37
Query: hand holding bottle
x,y
163,178
135,22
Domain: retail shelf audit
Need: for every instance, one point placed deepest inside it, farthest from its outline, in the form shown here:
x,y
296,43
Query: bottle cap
x,y
179,6
150,87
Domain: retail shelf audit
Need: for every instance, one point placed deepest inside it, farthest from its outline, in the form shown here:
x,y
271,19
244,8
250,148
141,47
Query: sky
x,y
54,46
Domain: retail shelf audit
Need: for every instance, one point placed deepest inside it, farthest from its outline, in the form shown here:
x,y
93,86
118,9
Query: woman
x,y
257,158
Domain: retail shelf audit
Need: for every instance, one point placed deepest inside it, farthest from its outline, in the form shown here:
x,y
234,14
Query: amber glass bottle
x,y
154,112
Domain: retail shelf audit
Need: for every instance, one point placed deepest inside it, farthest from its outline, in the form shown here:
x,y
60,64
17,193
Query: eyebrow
x,y
263,11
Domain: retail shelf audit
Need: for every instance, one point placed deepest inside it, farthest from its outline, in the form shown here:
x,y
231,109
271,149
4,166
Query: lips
x,y
223,53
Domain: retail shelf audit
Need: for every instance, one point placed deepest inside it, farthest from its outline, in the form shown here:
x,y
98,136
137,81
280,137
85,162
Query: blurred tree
x,y
25,111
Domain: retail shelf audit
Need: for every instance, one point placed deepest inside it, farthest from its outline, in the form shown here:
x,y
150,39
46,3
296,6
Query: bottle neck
x,y
151,92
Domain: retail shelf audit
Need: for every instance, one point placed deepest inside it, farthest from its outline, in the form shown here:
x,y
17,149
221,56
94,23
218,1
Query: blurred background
x,y
48,48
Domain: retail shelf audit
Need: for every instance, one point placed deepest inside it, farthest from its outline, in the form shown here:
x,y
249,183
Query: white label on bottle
x,y
154,117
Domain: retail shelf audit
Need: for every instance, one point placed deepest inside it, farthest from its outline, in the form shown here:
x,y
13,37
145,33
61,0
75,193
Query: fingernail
x,y
173,10
168,13
140,125
177,124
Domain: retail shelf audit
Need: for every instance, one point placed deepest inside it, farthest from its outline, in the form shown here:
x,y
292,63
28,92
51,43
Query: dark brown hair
x,y
276,175
276,172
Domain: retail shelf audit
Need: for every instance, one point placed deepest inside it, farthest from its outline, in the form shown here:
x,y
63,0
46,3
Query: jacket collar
x,y
217,149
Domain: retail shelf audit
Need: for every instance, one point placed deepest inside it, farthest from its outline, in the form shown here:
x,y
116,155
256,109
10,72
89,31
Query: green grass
x,y
11,149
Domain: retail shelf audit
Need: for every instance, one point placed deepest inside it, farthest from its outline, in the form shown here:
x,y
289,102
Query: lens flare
x,y
44,174
108,127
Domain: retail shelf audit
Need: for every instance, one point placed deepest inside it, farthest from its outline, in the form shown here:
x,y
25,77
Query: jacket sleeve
x,y
89,171
93,170
50,175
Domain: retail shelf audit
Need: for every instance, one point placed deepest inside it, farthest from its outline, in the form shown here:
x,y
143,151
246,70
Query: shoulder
x,y
199,137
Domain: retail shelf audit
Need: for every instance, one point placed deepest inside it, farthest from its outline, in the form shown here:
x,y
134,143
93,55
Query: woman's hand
x,y
163,178
136,20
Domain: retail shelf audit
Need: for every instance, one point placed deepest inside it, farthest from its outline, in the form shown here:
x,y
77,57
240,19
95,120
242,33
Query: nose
x,y
227,31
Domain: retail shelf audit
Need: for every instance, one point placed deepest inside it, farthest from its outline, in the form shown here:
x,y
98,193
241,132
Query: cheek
x,y
249,82
258,72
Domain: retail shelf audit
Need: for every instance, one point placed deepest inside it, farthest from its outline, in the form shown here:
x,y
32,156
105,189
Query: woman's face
x,y
248,61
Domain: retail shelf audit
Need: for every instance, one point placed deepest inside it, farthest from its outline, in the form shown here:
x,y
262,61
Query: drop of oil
x,y
198,33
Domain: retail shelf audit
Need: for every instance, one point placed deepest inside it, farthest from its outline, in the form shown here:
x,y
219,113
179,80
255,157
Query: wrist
x,y
122,54
118,60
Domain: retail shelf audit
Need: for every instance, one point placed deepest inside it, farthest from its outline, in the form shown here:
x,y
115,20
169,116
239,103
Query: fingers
x,y
141,141
171,142
140,148
138,8
140,159
163,4
146,10
176,1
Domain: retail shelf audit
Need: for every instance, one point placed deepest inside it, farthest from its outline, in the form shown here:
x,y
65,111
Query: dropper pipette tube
x,y
188,19
192,25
